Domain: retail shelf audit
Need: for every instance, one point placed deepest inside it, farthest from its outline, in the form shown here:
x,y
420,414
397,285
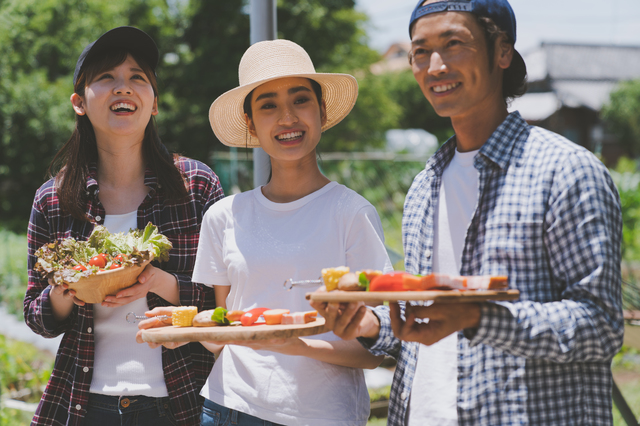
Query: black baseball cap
x,y
130,38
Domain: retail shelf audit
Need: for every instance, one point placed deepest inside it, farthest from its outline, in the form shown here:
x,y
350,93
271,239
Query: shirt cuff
x,y
386,341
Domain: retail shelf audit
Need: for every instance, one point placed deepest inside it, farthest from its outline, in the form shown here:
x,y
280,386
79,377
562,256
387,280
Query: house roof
x,y
575,75
571,61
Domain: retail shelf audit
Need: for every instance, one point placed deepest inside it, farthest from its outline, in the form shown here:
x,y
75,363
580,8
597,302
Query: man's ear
x,y
250,127
323,113
78,104
504,53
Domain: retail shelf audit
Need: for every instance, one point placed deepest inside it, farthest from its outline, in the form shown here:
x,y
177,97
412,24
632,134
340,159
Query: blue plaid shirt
x,y
548,216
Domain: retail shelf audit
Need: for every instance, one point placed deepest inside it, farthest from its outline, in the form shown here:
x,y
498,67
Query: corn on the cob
x,y
183,316
330,276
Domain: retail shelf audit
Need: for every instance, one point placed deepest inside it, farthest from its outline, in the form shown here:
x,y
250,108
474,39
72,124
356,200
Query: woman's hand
x,y
153,280
155,322
62,300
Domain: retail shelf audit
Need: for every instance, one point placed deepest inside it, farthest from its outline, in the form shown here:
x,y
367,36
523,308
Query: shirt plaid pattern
x,y
65,397
548,216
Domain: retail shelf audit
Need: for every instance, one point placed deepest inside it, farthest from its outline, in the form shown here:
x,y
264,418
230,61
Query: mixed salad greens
x,y
69,260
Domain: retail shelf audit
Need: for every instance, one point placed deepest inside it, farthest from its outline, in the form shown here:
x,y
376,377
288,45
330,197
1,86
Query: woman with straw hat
x,y
115,171
292,227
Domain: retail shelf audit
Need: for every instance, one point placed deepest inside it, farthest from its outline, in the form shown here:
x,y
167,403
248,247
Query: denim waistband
x,y
130,403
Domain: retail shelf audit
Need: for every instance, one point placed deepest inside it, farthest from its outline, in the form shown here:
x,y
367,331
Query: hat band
x,y
441,6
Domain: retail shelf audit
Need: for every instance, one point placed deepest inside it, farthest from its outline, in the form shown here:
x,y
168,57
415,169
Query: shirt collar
x,y
497,149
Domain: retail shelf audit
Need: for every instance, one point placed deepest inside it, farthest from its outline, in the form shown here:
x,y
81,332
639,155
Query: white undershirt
x,y
433,397
121,366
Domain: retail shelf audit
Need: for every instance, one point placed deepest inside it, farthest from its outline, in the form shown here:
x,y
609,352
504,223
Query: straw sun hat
x,y
270,60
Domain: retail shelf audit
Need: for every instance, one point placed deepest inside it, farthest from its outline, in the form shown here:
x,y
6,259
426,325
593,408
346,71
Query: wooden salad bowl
x,y
94,288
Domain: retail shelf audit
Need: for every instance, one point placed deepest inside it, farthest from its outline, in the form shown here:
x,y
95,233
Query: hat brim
x,y
226,114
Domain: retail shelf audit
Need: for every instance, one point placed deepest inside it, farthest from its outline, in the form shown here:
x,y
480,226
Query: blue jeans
x,y
216,415
136,410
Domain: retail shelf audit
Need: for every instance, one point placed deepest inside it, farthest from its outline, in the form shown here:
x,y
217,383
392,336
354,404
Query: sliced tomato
x,y
388,282
79,268
119,258
115,266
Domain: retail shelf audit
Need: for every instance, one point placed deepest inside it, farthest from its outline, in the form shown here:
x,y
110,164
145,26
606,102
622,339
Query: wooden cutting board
x,y
232,332
440,296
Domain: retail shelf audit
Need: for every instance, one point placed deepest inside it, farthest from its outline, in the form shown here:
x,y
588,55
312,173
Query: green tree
x,y
200,42
40,41
622,115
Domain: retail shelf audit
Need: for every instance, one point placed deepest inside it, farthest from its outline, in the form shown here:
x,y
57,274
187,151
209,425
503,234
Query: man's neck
x,y
473,131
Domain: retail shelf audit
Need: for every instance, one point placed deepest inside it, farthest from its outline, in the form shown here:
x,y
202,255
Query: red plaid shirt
x,y
185,369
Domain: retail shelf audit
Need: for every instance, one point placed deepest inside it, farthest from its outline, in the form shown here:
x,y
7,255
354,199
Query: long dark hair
x,y
70,166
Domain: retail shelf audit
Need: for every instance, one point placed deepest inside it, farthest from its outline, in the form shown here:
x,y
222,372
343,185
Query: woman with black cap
x,y
115,171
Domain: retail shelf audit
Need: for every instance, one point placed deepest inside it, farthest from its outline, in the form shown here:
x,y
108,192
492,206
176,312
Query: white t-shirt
x,y
120,365
433,397
254,245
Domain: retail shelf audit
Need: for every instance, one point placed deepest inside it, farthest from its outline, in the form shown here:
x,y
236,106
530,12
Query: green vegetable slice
x,y
219,316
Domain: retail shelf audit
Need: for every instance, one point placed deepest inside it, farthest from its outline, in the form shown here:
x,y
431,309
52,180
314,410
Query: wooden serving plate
x,y
232,332
94,288
440,296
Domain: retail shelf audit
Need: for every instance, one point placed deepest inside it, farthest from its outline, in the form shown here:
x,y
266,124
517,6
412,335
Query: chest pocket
x,y
517,250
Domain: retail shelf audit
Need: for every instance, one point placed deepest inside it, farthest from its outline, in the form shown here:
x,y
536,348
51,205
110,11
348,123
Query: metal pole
x,y
264,26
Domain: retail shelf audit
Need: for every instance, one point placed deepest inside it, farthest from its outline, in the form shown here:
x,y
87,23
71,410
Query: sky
x,y
576,21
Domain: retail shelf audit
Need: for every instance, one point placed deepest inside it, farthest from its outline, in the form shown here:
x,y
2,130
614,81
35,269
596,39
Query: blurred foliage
x,y
24,372
627,180
13,271
622,115
201,43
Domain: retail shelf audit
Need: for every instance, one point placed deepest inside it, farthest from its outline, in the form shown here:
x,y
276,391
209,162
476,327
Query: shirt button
x,y
89,330
78,407
86,369
403,395
98,218
427,253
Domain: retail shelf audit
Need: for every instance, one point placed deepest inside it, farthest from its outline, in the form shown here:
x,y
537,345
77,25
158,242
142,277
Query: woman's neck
x,y
121,170
291,181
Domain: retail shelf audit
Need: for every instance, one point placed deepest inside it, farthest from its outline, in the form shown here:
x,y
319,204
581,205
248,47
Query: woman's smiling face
x,y
119,101
286,118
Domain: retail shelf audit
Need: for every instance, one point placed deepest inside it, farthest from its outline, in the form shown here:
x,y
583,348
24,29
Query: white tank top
x,y
121,366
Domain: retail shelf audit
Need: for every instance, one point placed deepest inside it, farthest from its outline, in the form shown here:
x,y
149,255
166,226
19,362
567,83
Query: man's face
x,y
451,64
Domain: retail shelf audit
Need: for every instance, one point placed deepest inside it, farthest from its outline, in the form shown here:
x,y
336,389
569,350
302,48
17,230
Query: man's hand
x,y
348,320
444,319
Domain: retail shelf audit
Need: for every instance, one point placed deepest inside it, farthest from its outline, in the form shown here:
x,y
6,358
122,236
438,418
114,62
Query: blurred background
x,y
583,59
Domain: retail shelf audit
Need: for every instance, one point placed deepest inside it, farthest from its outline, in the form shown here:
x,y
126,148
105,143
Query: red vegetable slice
x,y
251,316
388,282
